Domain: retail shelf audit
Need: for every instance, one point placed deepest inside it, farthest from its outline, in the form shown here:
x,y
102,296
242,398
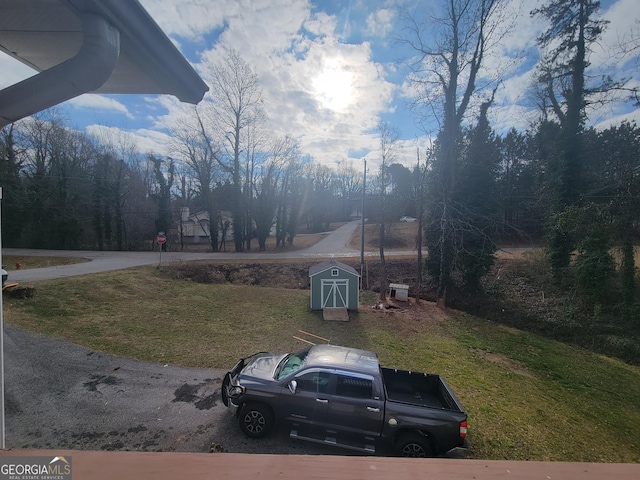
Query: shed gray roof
x,y
321,267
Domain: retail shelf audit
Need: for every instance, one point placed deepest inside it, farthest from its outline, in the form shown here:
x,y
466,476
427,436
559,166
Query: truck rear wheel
x,y
413,445
256,420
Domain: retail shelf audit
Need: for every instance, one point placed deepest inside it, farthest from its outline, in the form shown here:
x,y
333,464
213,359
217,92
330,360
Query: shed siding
x,y
333,283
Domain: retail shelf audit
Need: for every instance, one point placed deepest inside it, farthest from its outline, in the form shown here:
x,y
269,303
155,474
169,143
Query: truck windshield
x,y
291,364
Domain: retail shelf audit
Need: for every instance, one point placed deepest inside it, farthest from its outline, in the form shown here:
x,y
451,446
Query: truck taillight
x,y
463,429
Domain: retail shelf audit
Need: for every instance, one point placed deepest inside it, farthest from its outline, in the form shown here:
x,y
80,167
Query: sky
x,y
330,70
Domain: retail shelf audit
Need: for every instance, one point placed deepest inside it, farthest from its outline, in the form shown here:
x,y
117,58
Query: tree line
x,y
65,189
572,186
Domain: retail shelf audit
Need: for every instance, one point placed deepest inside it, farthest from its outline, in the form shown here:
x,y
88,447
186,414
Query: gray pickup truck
x,y
342,396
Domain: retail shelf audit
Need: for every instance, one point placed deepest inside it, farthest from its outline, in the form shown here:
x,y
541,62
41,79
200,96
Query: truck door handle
x,y
373,409
322,400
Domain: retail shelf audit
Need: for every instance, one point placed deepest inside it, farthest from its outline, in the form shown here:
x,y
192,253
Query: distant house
x,y
334,285
195,227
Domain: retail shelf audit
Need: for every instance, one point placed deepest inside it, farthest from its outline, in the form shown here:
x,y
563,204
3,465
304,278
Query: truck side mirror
x,y
292,386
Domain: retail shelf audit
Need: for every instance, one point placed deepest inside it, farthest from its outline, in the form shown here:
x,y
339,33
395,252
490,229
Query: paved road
x,y
62,396
334,244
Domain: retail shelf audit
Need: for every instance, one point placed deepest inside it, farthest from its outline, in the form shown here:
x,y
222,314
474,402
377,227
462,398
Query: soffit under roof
x,y
44,33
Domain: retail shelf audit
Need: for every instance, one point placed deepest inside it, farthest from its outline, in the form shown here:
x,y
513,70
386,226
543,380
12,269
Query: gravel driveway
x,y
62,396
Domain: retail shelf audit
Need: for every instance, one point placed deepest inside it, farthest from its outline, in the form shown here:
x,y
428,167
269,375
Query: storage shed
x,y
334,285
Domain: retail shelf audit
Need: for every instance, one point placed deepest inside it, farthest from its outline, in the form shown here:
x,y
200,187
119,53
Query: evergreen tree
x,y
573,28
478,202
163,193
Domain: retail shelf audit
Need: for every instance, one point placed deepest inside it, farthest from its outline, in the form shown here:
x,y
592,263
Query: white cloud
x,y
406,152
99,102
610,121
507,116
190,19
321,24
623,16
151,141
524,28
144,140
164,111
325,93
296,107
265,28
380,22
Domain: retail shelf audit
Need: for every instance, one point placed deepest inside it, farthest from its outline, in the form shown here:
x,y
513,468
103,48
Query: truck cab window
x,y
354,387
313,382
292,364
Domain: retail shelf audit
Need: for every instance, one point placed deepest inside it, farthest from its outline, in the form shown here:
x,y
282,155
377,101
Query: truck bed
x,y
420,389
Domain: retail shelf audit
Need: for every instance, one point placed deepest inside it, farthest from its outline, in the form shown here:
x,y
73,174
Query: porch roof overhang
x,y
88,46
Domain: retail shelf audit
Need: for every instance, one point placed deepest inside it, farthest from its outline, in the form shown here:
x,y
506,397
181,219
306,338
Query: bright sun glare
x,y
333,88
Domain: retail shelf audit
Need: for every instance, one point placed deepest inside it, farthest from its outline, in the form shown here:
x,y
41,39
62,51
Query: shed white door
x,y
335,293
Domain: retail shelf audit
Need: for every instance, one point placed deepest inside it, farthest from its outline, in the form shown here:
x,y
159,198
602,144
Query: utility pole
x,y
364,190
420,215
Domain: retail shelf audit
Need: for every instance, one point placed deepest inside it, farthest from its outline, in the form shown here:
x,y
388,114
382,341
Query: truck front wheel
x,y
256,420
413,445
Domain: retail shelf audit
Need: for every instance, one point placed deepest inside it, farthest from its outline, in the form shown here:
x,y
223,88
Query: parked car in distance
x,y
342,397
406,218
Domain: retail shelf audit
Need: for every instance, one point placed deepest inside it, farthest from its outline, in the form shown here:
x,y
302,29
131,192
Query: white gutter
x,y
87,71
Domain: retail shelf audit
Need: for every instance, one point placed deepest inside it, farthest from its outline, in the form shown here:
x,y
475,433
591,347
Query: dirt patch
x,y
292,274
274,274
421,311
505,362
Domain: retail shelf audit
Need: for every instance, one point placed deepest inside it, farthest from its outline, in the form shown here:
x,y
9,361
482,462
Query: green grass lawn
x,y
527,397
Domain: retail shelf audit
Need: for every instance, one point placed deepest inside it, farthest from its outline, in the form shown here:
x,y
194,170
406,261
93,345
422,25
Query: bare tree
x,y
388,138
193,146
55,155
165,175
290,202
317,205
447,74
235,106
112,178
13,203
268,186
254,156
349,184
